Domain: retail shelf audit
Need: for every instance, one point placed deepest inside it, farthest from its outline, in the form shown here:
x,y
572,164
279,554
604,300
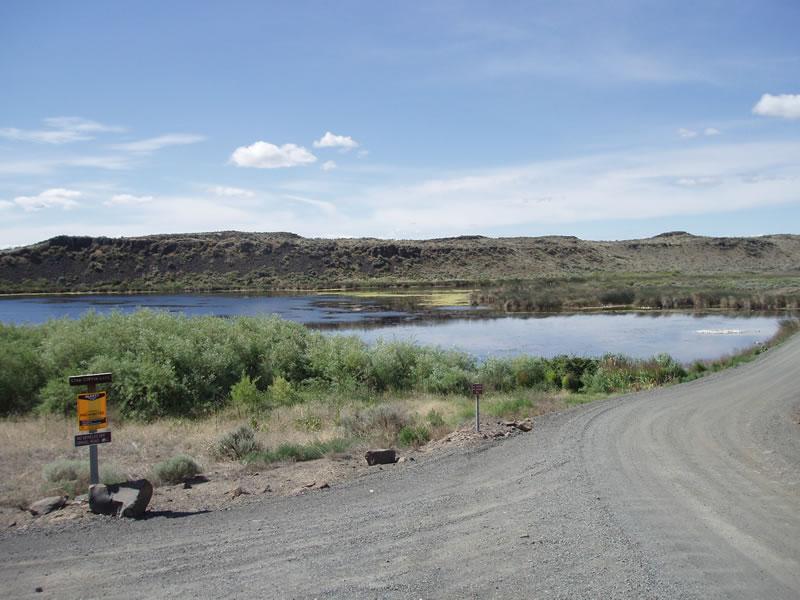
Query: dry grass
x,y
29,443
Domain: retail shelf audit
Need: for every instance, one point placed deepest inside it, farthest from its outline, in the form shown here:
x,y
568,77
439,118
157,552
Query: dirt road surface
x,y
691,491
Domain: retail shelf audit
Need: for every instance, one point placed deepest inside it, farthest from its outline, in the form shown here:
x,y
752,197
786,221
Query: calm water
x,y
685,336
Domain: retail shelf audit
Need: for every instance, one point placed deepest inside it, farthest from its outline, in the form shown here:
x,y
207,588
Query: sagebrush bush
x,y
176,469
71,477
237,444
383,420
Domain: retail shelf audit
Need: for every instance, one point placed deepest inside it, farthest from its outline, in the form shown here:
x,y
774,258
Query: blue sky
x,y
604,120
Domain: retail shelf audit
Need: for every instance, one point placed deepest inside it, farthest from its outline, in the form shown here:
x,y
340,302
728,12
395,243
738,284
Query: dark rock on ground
x,y
382,456
129,499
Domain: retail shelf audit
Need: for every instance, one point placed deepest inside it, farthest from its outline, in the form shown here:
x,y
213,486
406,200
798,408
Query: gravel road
x,y
691,491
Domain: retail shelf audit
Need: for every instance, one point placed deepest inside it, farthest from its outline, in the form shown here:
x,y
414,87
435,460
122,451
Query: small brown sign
x,y
90,378
90,439
477,389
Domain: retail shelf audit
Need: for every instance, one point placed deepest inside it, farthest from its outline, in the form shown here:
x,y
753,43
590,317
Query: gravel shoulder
x,y
689,491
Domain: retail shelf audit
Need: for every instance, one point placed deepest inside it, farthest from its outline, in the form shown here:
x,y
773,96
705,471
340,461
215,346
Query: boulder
x,y
47,505
129,499
381,456
525,425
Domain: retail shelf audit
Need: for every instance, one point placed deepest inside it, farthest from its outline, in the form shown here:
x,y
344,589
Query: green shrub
x,y
570,382
71,477
176,469
391,365
245,393
282,393
414,435
497,374
237,444
528,371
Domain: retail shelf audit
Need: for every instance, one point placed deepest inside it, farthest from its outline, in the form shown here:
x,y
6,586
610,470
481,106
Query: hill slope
x,y
231,260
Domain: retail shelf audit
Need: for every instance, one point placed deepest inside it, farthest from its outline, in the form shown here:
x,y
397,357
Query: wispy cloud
x,y
632,185
54,197
785,106
49,165
231,192
149,145
688,134
127,200
59,130
263,155
327,207
328,165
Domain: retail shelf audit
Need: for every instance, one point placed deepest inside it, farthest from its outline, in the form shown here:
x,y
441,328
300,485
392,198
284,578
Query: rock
x,y
324,485
129,499
238,491
47,505
266,490
525,425
382,456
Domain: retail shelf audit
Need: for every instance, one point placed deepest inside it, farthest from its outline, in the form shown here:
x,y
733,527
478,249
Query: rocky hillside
x,y
234,260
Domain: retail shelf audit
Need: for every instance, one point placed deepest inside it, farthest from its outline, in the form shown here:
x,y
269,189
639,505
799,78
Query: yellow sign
x,y
92,411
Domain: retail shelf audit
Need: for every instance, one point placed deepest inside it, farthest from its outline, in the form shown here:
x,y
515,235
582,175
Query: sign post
x,y
91,417
477,389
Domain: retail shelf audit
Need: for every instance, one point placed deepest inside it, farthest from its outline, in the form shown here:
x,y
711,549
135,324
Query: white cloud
x,y
687,133
263,155
54,197
61,130
127,200
786,106
710,131
362,153
162,141
4,204
231,192
330,140
328,165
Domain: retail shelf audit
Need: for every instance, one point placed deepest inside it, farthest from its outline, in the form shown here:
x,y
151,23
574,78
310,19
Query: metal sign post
x,y
477,389
91,417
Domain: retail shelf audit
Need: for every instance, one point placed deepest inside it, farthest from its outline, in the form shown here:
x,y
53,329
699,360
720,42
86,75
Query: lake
x,y
409,317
